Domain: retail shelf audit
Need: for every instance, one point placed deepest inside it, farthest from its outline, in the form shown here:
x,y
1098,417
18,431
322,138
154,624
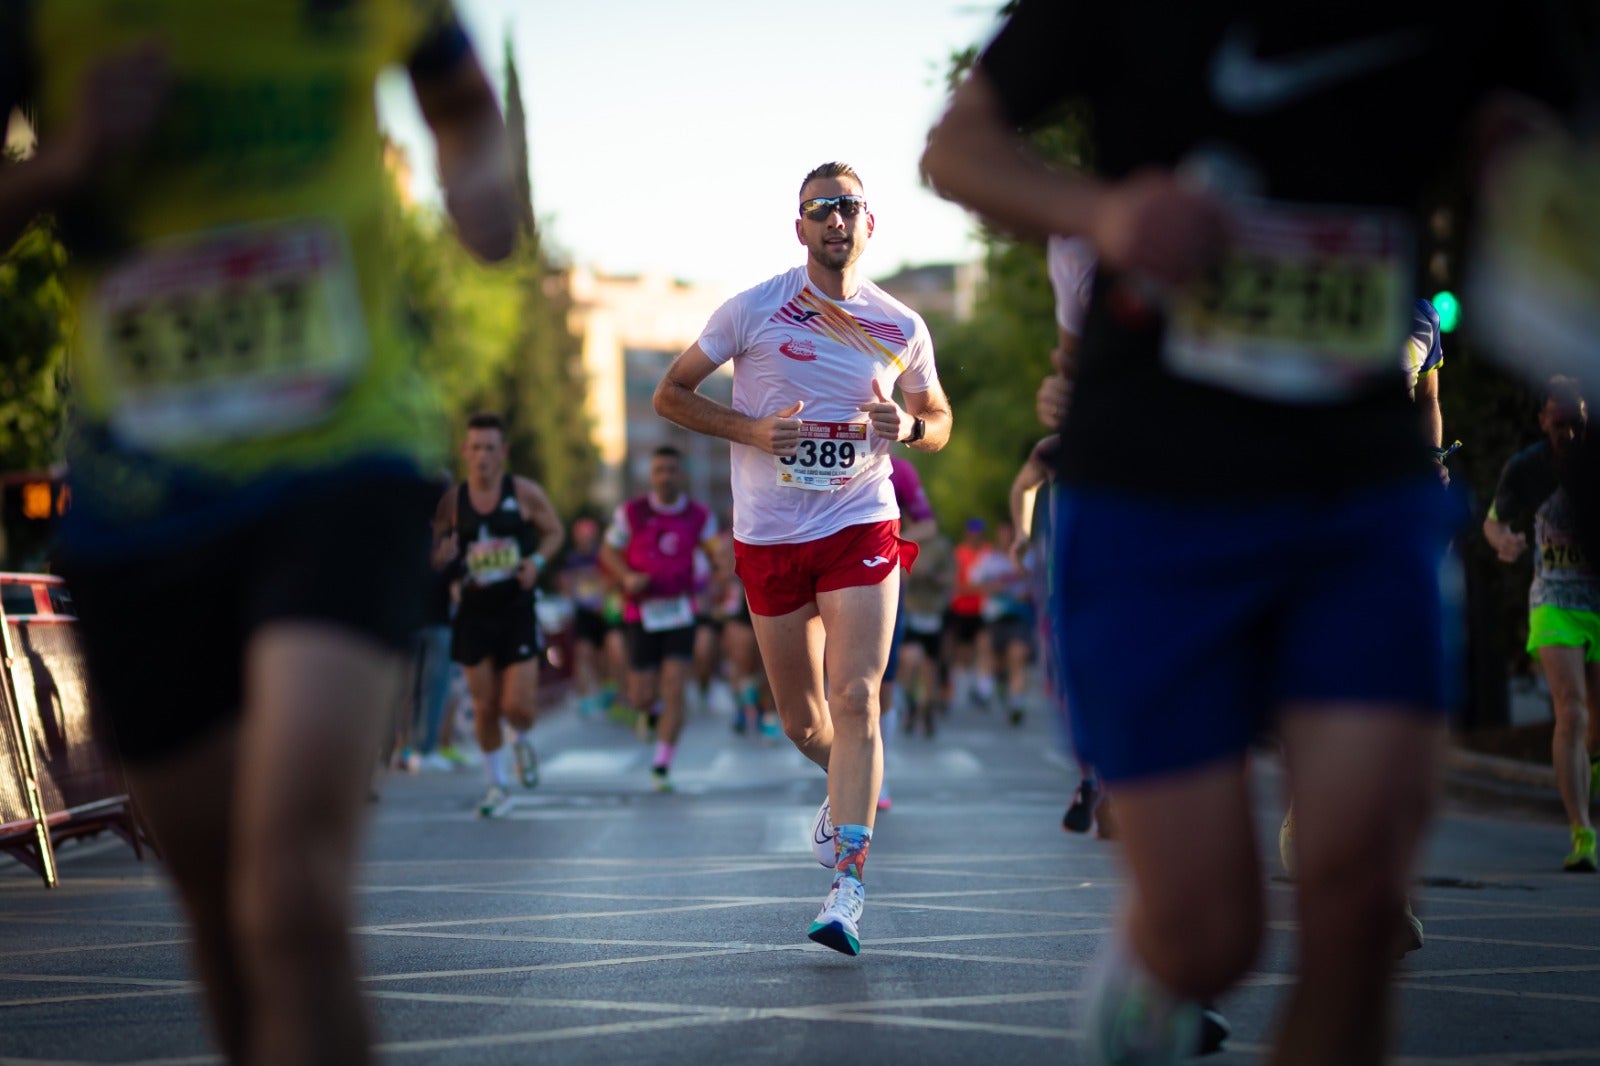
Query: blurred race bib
x,y
829,455
1308,306
492,560
229,335
667,612
1535,278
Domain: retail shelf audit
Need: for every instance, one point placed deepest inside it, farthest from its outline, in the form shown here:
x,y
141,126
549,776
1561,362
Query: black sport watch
x,y
919,429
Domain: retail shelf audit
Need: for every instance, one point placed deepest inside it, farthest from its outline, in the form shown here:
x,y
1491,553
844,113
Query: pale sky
x,y
671,137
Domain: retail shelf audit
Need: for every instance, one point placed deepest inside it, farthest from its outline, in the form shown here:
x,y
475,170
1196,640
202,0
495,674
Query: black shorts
x,y
507,636
1013,629
963,628
930,643
590,626
647,651
164,631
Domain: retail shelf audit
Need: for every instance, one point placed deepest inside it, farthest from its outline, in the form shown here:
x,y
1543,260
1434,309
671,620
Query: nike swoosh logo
x,y
1247,84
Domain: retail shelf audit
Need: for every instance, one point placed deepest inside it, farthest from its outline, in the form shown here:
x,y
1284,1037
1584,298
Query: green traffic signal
x,y
1449,309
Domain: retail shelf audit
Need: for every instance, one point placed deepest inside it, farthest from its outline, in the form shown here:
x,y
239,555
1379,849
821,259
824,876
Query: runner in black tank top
x,y
498,545
492,547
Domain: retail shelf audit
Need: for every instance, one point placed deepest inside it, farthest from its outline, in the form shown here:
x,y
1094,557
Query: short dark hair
x,y
832,170
487,420
667,451
1562,390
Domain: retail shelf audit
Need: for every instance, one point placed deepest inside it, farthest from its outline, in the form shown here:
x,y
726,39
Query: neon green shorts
x,y
1565,628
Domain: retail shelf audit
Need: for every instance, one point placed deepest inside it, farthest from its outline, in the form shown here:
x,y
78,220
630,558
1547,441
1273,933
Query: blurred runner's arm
x,y
475,167
446,545
1427,397
1507,508
1149,223
119,101
1033,474
1427,400
1055,391
536,507
612,561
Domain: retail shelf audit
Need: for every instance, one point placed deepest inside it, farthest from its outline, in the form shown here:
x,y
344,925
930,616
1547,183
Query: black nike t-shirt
x,y
1347,110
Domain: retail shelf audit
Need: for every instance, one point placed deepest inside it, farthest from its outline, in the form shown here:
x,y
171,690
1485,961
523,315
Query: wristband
x,y
538,560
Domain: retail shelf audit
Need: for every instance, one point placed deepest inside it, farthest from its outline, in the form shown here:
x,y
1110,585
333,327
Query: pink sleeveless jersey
x,y
662,544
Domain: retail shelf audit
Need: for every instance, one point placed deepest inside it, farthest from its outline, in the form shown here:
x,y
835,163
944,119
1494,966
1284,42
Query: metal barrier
x,y
64,782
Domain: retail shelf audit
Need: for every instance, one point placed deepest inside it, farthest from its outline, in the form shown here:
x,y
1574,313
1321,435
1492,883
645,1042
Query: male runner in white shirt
x,y
815,520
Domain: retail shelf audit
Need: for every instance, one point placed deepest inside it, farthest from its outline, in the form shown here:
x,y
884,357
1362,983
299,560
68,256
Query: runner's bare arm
x,y
118,103
1427,397
612,562
475,168
933,407
1149,222
1055,391
537,508
1031,476
1507,543
446,546
721,567
678,400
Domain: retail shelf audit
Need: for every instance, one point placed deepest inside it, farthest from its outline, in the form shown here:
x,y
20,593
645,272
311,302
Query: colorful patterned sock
x,y
852,842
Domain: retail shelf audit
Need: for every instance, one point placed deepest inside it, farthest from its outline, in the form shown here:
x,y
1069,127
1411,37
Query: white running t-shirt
x,y
789,342
1071,262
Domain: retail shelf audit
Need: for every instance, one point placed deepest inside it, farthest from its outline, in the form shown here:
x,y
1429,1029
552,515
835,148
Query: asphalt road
x,y
601,922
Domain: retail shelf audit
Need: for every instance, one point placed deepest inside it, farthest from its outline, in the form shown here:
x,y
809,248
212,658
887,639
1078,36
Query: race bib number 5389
x,y
829,455
230,334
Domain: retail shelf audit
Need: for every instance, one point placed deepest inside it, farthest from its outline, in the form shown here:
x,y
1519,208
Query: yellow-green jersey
x,y
238,315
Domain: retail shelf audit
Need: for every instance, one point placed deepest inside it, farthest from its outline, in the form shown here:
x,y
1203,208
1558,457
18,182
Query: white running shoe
x,y
494,802
822,837
838,922
434,762
527,762
1130,1020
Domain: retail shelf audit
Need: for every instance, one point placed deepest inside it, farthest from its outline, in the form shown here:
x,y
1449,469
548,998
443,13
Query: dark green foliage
x,y
34,317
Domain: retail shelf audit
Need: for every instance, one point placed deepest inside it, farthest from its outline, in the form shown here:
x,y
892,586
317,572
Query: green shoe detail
x,y
835,936
1583,859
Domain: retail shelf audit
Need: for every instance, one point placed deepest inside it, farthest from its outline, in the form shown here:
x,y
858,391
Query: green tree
x,y
33,330
544,385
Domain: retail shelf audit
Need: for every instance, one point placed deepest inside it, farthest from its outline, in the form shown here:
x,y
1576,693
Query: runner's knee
x,y
855,698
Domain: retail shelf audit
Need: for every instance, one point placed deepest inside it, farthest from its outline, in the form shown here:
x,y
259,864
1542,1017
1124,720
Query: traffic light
x,y
1449,309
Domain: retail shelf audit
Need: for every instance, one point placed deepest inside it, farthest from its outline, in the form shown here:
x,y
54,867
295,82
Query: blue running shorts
x,y
1184,627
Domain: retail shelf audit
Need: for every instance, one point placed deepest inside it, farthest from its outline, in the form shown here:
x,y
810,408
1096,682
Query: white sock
x,y
497,764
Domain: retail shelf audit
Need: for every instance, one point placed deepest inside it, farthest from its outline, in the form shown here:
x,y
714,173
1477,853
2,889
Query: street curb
x,y
1511,771
1502,784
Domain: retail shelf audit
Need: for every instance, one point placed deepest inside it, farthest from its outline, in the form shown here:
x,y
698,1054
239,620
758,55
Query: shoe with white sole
x,y
495,801
838,924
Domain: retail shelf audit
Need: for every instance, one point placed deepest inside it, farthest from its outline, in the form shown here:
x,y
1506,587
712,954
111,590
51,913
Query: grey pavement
x,y
602,922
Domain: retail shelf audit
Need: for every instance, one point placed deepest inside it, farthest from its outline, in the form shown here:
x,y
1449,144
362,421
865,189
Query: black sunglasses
x,y
818,208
